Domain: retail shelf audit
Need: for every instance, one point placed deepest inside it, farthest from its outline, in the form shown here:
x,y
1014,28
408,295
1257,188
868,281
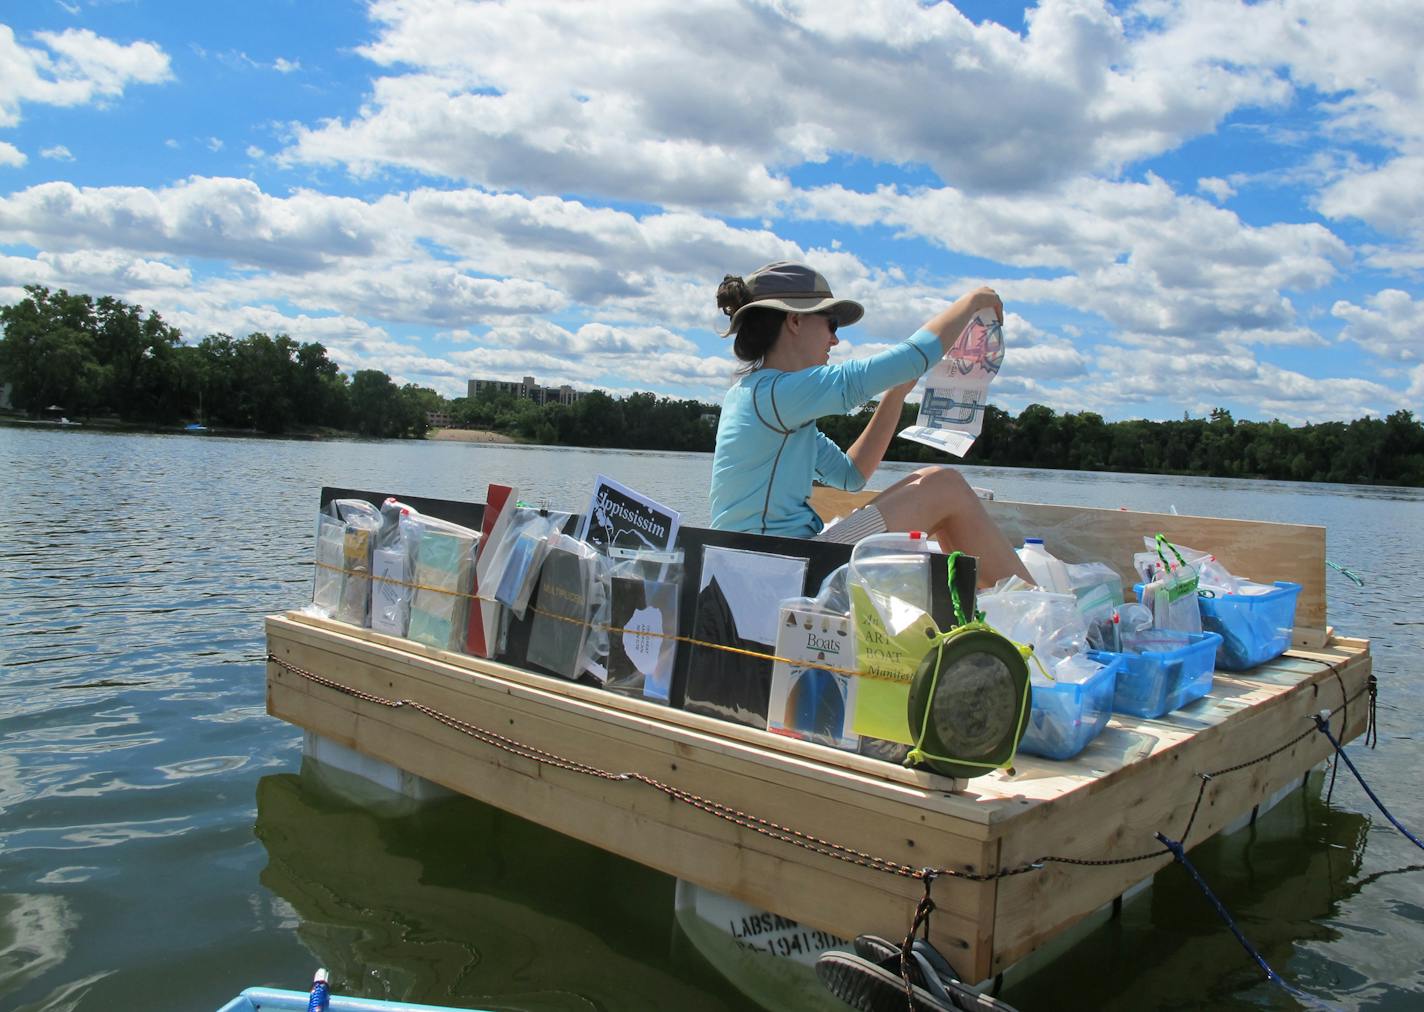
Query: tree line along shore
x,y
106,359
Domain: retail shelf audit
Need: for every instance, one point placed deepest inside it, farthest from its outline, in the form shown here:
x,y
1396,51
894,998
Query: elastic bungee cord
x,y
1323,726
1179,852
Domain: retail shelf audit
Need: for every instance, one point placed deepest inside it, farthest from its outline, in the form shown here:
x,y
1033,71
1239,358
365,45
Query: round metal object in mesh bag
x,y
979,702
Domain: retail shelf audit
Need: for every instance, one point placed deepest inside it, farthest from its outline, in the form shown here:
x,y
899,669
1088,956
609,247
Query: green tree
x,y
375,403
1363,447
1403,449
416,404
138,356
1030,432
48,353
218,381
1094,442
599,420
266,381
320,388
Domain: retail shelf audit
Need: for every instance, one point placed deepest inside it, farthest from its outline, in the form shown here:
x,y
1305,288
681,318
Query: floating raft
x,y
837,840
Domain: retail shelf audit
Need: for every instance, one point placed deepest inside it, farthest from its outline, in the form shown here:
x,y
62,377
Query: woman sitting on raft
x,y
768,447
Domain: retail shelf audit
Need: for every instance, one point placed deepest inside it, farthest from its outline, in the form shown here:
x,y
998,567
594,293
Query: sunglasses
x,y
832,324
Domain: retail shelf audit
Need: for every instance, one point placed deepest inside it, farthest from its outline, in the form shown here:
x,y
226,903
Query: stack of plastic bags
x,y
393,569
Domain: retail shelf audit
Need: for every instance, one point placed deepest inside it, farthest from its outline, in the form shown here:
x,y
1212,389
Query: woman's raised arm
x,y
869,448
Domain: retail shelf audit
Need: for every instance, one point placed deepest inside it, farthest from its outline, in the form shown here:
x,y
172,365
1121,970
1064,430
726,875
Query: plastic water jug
x,y
1047,570
893,569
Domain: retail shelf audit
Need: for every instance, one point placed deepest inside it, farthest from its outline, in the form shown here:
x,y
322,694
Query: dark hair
x,y
756,333
758,328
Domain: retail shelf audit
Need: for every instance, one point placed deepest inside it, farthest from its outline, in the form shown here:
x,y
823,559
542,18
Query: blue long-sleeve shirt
x,y
769,450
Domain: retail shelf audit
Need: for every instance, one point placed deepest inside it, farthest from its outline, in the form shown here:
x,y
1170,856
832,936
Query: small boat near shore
x,y
843,843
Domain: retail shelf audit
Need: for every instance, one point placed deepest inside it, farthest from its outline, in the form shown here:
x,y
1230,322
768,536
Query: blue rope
x,y
1344,571
1324,728
1305,999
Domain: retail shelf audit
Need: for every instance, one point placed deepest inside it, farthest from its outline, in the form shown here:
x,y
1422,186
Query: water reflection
x,y
459,903
1284,880
35,932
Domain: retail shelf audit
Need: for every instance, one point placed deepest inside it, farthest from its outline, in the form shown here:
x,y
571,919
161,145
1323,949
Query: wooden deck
x,y
1137,778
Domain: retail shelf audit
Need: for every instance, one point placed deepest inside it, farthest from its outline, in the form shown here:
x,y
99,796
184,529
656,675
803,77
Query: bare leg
x,y
939,500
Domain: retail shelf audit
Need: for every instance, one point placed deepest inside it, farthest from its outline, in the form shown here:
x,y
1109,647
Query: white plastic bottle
x,y
1047,570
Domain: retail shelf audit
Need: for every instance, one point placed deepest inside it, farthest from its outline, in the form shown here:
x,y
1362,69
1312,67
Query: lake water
x,y
159,851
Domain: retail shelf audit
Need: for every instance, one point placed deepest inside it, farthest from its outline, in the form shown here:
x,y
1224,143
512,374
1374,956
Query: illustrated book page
x,y
956,391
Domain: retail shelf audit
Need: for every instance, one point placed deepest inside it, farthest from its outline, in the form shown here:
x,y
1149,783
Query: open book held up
x,y
957,388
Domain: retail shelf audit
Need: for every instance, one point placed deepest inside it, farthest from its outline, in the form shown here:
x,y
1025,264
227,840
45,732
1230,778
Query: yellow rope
x,y
392,580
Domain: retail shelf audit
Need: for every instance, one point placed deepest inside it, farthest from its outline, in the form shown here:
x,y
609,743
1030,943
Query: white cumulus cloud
x,y
1218,189
70,68
684,104
1390,325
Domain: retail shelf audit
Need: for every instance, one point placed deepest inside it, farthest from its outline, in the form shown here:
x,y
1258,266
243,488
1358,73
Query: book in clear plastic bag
x,y
644,591
808,700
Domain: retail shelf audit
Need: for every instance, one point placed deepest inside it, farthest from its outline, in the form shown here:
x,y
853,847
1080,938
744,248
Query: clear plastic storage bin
x,y
1065,716
1162,670
1254,628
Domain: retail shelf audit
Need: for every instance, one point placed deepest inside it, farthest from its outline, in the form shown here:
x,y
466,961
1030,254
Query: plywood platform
x,y
1138,778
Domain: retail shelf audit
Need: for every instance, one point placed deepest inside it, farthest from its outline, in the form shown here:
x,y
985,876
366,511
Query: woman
x,y
768,447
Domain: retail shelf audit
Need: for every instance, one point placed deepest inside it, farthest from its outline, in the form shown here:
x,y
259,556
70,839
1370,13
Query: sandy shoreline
x,y
469,436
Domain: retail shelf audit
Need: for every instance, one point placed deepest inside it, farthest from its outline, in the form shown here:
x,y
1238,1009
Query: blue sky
x,y
1184,205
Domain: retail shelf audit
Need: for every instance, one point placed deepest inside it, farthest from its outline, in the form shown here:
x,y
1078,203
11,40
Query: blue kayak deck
x,y
270,999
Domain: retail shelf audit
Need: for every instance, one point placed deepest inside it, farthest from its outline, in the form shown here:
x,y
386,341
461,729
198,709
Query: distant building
x,y
439,419
526,389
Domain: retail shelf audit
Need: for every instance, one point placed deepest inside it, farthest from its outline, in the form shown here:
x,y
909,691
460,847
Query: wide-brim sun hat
x,y
784,285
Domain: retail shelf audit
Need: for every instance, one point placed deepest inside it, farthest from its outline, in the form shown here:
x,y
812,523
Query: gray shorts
x,y
848,530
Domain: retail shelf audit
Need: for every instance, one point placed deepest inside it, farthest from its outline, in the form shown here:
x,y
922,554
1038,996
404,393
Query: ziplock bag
x,y
572,587
889,587
1125,620
812,693
444,557
1211,574
392,566
734,629
341,588
1050,623
639,641
1097,586
1172,596
515,560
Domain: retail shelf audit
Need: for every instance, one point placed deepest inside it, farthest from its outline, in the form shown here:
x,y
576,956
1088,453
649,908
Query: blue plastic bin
x,y
1254,627
1172,669
1065,716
